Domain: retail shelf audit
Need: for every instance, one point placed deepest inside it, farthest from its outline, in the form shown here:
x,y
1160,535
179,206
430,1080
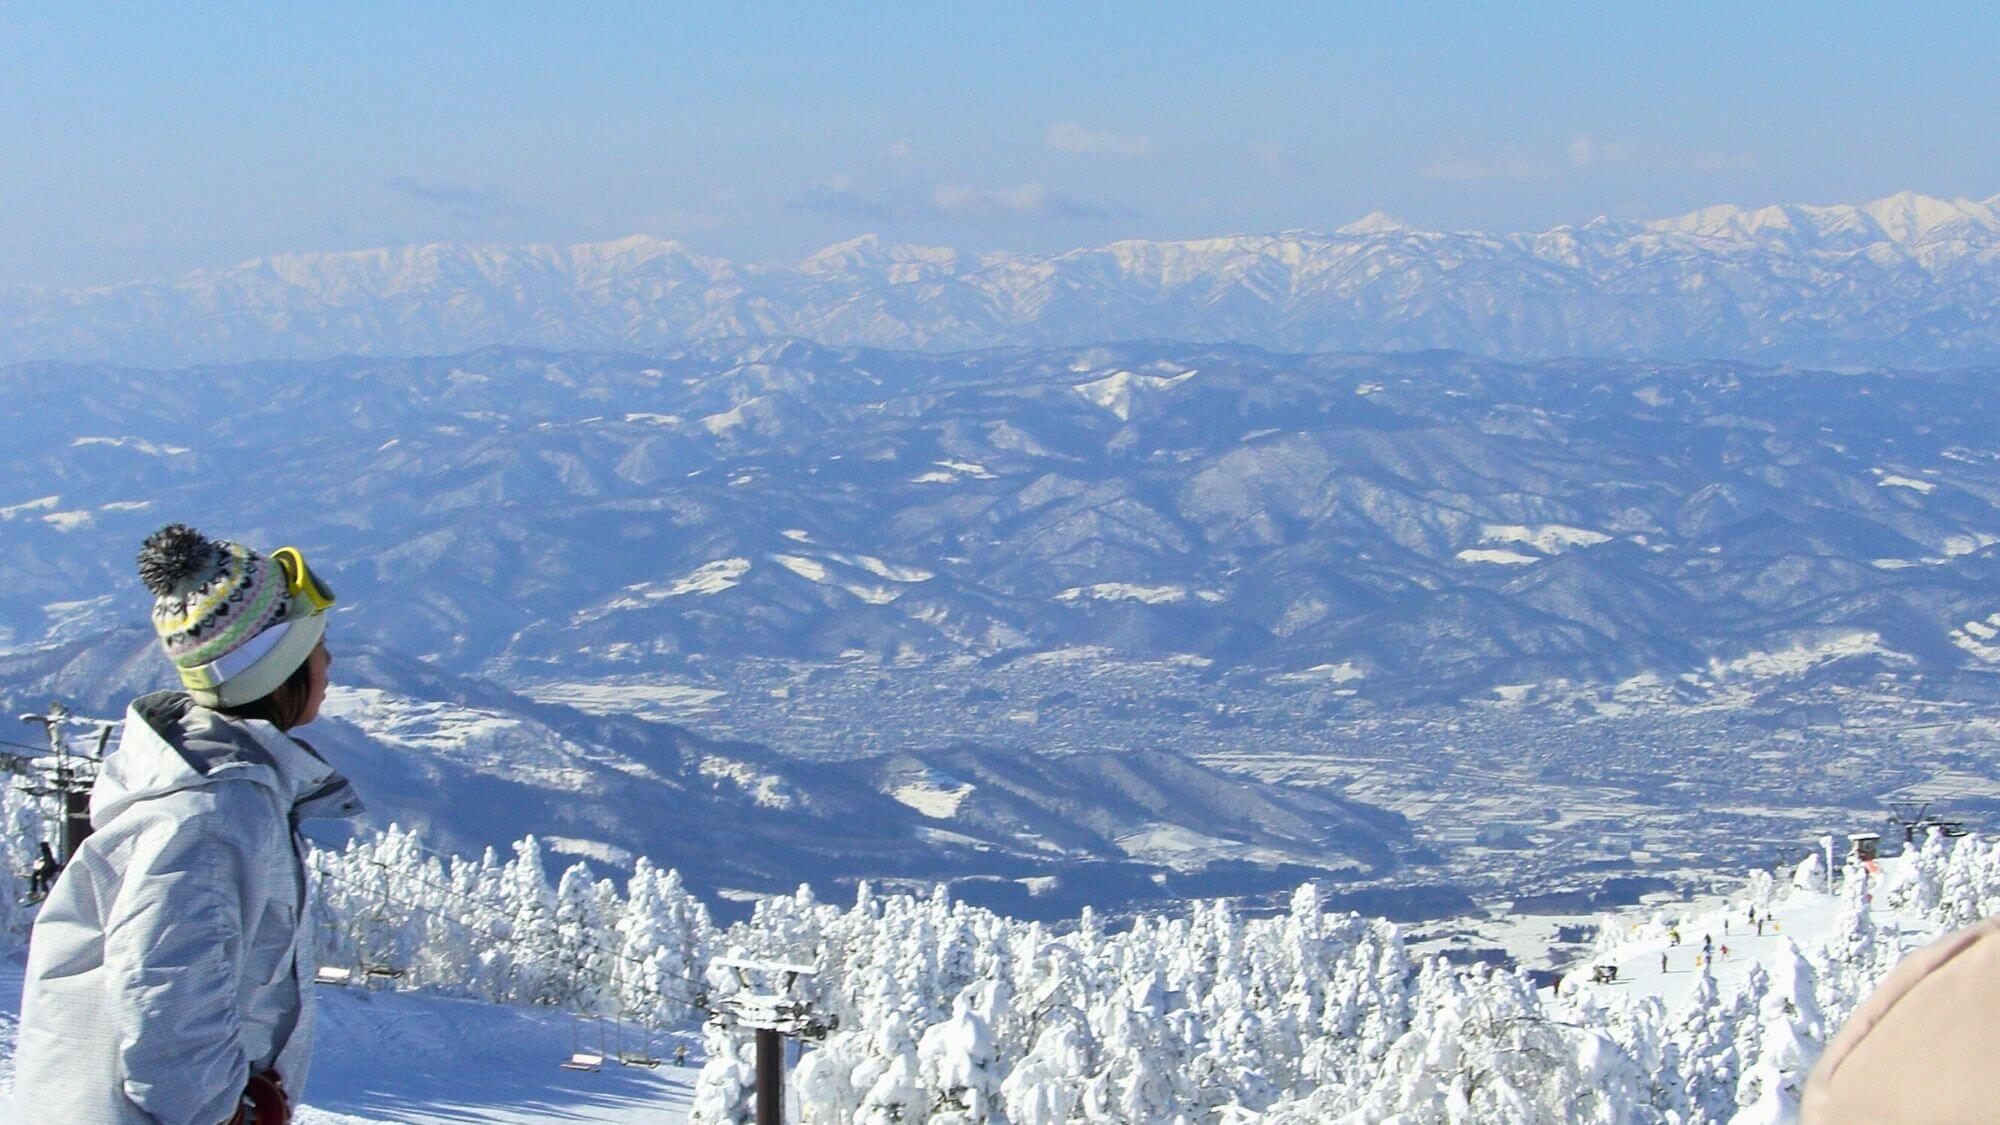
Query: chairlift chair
x,y
372,971
644,1056
377,970
581,1058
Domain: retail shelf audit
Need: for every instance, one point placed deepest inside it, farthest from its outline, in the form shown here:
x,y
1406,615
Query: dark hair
x,y
285,706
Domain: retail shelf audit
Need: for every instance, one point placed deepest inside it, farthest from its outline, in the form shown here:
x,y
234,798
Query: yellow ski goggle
x,y
300,581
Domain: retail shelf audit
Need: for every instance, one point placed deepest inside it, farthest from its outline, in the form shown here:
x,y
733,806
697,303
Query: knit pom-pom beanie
x,y
226,615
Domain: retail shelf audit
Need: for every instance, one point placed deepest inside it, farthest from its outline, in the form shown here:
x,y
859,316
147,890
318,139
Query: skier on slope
x,y
169,974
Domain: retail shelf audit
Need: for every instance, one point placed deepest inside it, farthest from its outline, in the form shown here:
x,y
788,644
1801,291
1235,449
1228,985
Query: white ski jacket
x,y
170,961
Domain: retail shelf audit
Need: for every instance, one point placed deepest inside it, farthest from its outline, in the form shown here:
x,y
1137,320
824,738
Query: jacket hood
x,y
171,743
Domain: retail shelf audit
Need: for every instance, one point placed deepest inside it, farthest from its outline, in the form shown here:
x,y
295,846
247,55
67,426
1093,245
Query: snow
x,y
810,569
1976,636
707,579
1184,849
1957,545
1892,480
933,801
814,570
1549,539
1127,591
727,420
1119,391
137,445
384,1056
1322,674
767,790
969,468
892,571
645,699
1499,557
1200,1014
1805,654
484,741
611,855
1804,918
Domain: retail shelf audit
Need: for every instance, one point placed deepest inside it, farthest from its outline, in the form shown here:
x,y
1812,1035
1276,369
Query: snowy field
x,y
408,1057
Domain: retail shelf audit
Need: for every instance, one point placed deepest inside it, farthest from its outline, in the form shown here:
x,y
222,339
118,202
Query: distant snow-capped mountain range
x,y
1907,280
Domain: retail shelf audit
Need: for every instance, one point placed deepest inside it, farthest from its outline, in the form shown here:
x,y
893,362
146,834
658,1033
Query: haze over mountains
x,y
1113,612
1439,523
1906,281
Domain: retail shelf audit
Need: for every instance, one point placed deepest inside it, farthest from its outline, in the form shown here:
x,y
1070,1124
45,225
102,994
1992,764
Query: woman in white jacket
x,y
169,974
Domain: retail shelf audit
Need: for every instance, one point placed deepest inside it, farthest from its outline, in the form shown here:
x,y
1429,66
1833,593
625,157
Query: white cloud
x,y
1068,136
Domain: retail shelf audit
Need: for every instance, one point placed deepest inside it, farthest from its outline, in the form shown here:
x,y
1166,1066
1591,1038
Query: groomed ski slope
x,y
423,1058
1806,917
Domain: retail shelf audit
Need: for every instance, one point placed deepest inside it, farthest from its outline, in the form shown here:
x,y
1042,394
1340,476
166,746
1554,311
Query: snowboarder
x,y
1674,936
1708,943
169,977
43,874
681,1055
1760,927
1725,953
1663,964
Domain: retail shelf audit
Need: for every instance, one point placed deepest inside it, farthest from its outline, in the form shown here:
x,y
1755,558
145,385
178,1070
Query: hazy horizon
x,y
168,141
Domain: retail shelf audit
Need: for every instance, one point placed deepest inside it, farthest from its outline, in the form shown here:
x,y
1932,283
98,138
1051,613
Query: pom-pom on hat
x,y
234,622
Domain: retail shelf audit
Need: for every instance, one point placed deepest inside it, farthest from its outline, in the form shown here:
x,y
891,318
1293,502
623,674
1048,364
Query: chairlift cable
x,y
584,940
513,940
518,940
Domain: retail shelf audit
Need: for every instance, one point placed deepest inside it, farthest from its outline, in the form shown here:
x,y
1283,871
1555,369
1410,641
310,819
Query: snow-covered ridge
x,y
1907,279
1806,653
1136,592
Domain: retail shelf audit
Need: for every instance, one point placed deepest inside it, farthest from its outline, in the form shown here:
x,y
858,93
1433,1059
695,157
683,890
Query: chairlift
x,y
40,876
580,1058
59,784
644,1056
372,971
377,970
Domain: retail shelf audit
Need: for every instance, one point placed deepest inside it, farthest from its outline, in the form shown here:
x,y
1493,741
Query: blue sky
x,y
143,141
